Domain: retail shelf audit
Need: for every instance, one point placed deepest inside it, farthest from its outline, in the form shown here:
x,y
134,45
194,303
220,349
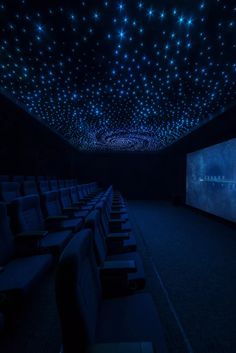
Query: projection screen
x,y
211,179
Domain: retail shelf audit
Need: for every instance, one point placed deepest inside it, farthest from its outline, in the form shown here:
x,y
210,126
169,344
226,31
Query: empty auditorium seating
x,y
67,205
100,276
41,178
53,184
18,274
29,187
85,194
87,319
30,178
4,178
61,183
76,201
18,179
116,241
30,226
119,273
54,216
9,191
43,186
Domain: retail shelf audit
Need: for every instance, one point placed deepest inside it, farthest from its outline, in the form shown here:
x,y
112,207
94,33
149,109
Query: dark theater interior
x,y
117,176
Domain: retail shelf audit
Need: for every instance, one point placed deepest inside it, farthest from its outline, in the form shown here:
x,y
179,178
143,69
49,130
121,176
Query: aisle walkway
x,y
195,258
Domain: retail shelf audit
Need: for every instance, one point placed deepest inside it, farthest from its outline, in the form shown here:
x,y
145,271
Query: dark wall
x,y
29,147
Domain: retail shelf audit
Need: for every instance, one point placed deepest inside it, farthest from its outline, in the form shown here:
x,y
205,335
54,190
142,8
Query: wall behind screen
x,y
28,147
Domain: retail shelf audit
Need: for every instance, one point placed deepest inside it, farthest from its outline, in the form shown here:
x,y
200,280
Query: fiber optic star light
x,y
119,75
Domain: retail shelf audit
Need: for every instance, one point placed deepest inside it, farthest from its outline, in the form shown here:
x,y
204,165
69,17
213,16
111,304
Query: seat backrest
x,y
74,194
41,178
65,197
61,183
7,247
51,204
104,221
74,182
78,293
93,222
4,178
67,183
9,191
30,188
53,184
26,213
18,179
43,186
30,178
81,191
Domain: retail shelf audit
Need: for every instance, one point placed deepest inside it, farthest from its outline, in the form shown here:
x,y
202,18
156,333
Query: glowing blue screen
x,y
211,180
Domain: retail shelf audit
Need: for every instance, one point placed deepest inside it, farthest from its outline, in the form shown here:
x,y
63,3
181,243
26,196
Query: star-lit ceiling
x,y
119,75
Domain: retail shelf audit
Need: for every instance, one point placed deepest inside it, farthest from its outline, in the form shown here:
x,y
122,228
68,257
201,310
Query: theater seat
x,y
20,274
30,188
43,186
76,200
30,226
53,184
30,178
61,183
54,217
17,274
67,206
115,281
18,179
125,240
87,319
9,191
4,178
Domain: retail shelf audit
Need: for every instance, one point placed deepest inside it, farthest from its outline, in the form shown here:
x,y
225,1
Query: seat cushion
x,y
121,227
119,217
122,320
56,241
81,214
21,273
126,245
136,279
69,224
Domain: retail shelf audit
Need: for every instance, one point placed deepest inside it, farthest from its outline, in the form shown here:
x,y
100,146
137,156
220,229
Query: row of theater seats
x,y
100,277
22,186
34,229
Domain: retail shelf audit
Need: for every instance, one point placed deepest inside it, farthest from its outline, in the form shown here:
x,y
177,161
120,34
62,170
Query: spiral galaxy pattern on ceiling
x,y
119,75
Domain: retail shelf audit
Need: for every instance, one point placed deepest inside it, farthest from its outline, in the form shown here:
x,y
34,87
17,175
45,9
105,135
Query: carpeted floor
x,y
191,265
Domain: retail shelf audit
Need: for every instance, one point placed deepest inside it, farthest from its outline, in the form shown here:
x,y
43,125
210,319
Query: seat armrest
x,y
81,203
78,205
114,212
71,209
116,221
122,266
56,218
118,236
37,235
122,347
